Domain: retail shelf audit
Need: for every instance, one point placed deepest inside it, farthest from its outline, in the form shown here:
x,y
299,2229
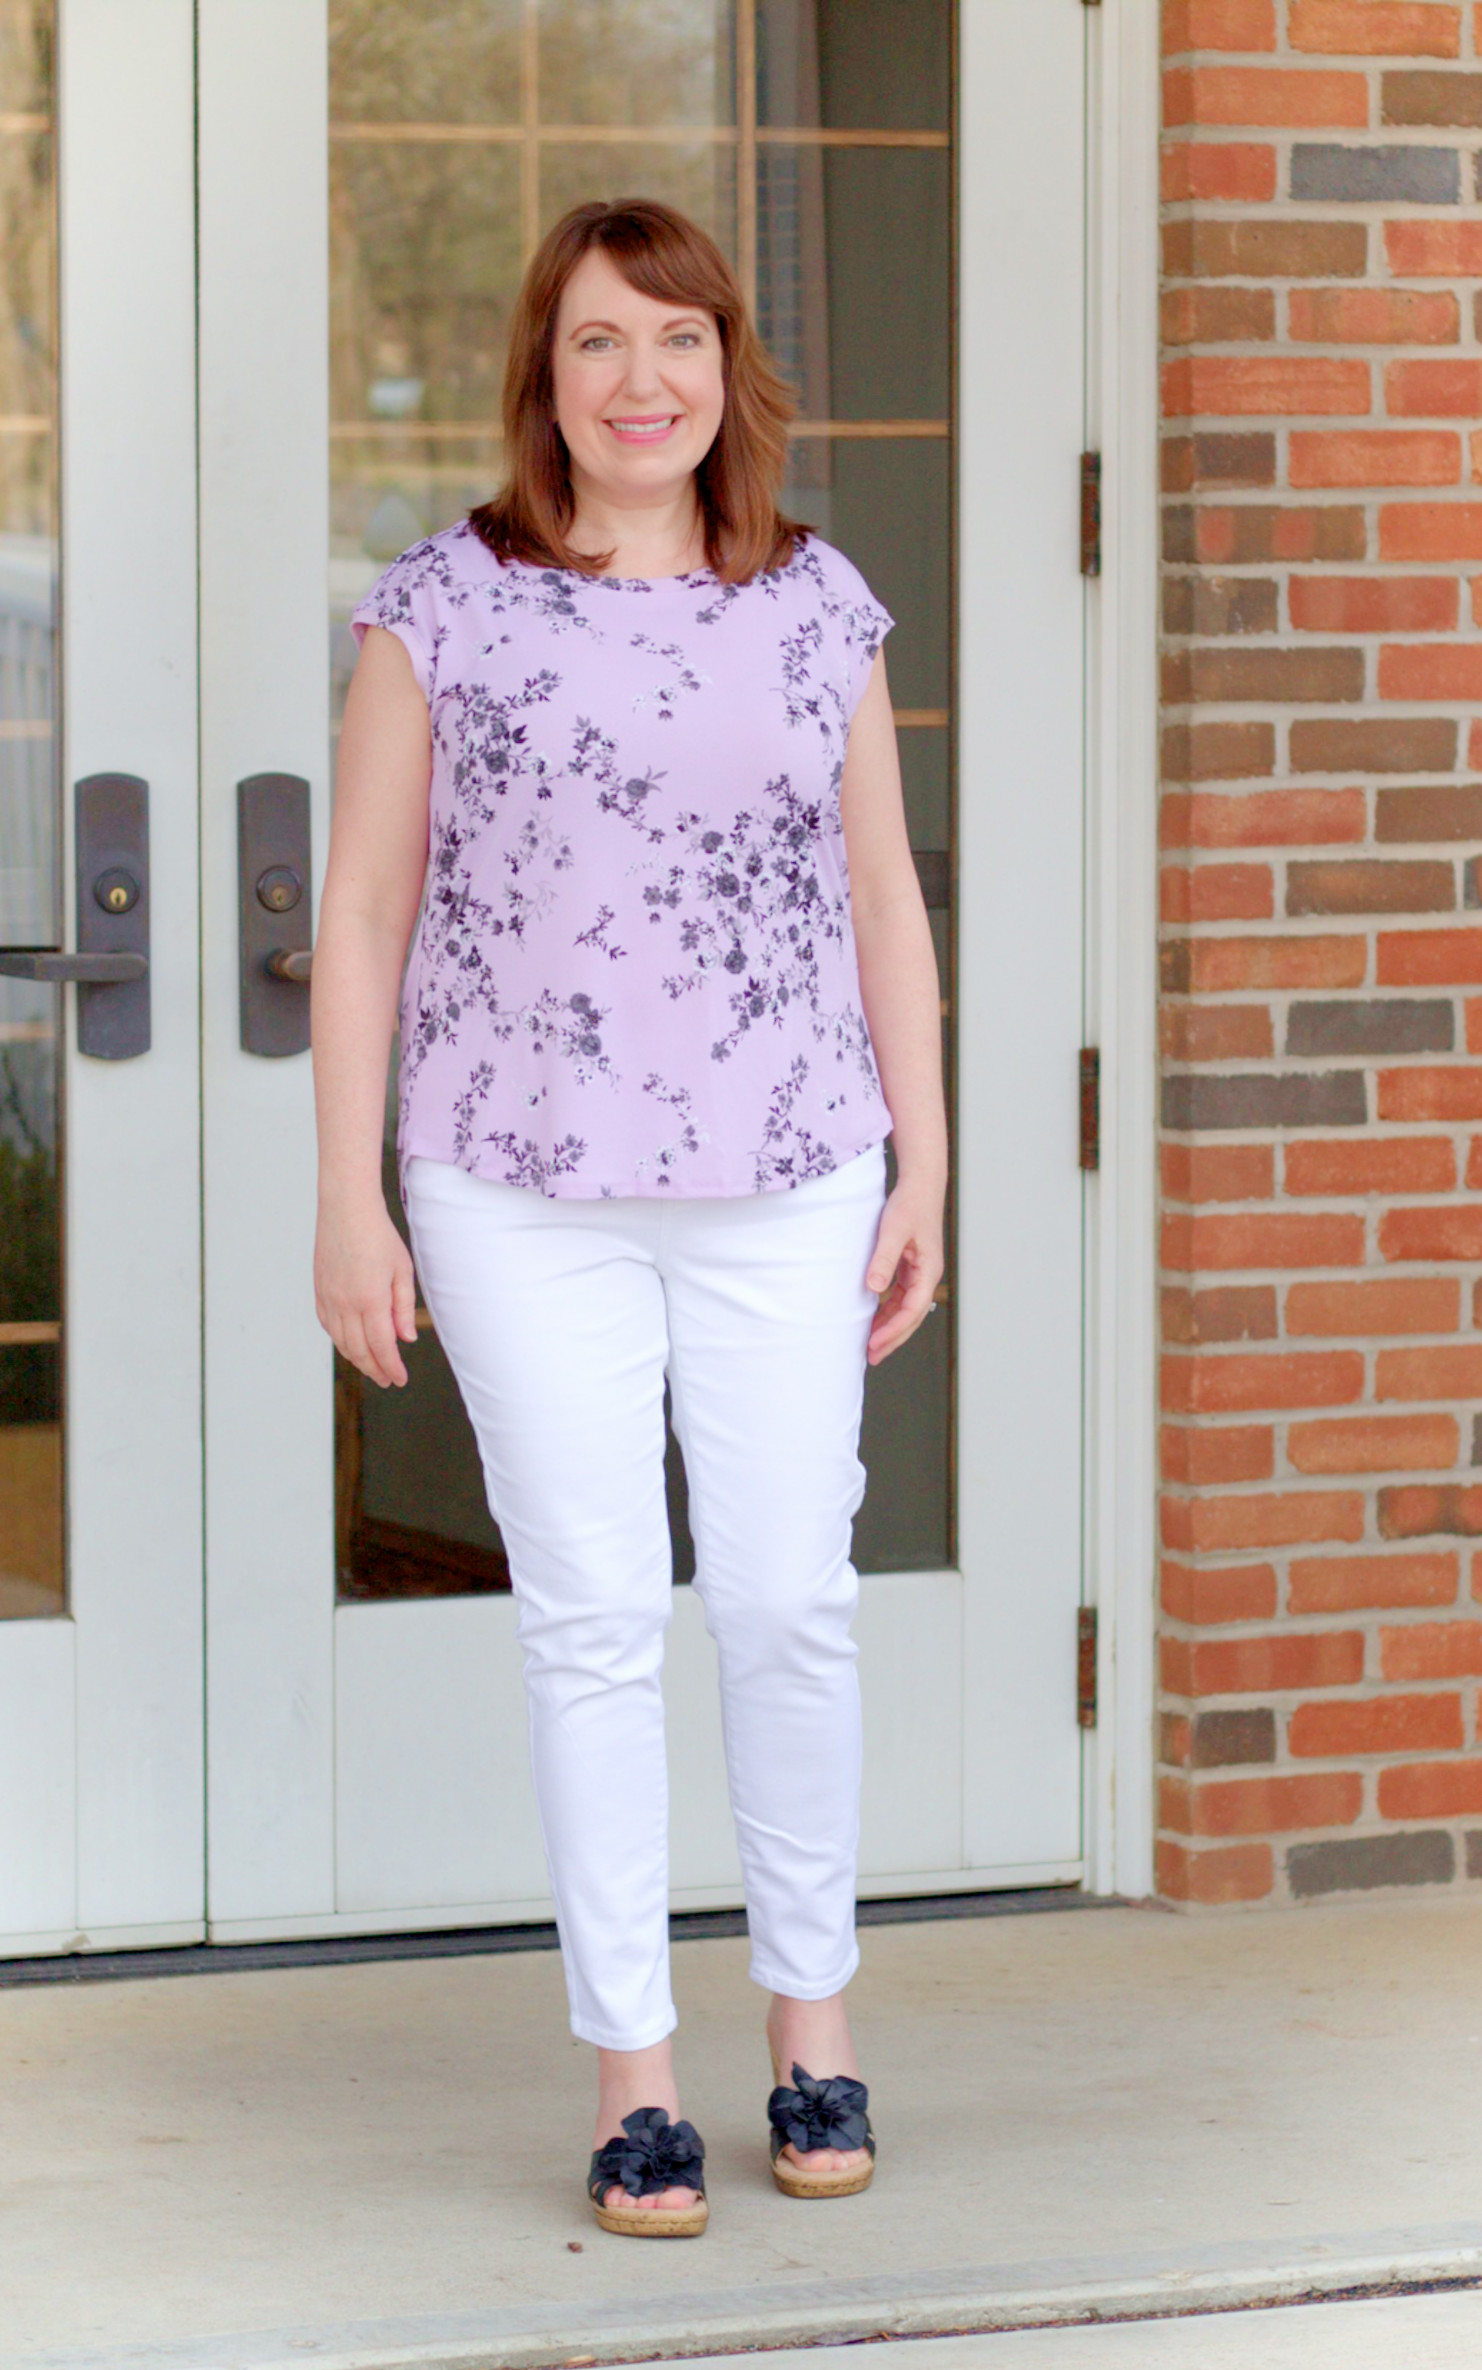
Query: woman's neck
x,y
661,539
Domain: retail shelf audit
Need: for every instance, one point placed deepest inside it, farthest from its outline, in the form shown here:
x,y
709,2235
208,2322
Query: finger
x,y
889,1339
898,1322
349,1340
359,1351
404,1301
380,1340
890,1244
895,1291
332,1318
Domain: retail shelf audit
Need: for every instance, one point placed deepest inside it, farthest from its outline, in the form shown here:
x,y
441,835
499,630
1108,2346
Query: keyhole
x,y
116,891
279,888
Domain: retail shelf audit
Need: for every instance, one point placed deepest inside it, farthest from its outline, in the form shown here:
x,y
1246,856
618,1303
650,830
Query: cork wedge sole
x,y
794,2182
633,2222
796,2179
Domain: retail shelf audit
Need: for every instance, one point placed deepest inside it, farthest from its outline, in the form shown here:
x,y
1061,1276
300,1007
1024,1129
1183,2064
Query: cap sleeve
x,y
864,623
403,601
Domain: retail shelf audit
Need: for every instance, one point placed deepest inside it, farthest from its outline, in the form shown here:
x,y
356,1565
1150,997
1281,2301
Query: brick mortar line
x,y
1367,1620
1206,854
1368,704
1283,784
1339,1485
1227,1560
1336,1691
1317,641
1368,63
1376,572
1464,138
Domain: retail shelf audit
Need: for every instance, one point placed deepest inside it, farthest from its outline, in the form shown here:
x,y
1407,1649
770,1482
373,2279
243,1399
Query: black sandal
x,y
655,2155
814,2115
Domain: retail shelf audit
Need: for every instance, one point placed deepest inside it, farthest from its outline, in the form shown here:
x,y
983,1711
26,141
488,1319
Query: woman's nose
x,y
642,377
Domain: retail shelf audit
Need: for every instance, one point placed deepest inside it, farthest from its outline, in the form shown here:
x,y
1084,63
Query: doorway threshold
x,y
453,1942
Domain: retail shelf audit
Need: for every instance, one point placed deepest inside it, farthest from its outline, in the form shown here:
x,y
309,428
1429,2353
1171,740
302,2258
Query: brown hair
x,y
663,254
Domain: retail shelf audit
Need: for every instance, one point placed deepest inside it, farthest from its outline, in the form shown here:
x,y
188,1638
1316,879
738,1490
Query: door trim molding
x,y
1121,1208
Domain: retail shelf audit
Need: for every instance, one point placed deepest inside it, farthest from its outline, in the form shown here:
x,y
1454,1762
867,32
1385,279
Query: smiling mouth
x,y
644,431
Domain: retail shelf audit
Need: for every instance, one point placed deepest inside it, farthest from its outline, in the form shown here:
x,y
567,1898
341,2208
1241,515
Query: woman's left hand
x,y
906,1266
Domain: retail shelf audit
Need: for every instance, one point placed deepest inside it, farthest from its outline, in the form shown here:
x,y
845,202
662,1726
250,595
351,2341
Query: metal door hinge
x,y
1091,513
1090,1107
1085,1666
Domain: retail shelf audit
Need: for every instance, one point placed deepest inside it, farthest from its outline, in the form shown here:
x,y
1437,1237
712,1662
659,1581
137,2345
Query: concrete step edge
x,y
675,2327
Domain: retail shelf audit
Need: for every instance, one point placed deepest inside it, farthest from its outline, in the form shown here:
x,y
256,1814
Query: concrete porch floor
x,y
1119,2111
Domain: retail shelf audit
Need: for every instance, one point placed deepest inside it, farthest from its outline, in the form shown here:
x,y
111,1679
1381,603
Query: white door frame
x,y
1122,1203
101,1827
264,709
1022,363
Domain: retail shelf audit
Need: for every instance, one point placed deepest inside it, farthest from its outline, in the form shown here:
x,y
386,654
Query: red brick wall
x,y
1321,1581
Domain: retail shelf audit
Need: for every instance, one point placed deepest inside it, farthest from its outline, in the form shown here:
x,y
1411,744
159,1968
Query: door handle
x,y
86,970
274,913
292,963
111,966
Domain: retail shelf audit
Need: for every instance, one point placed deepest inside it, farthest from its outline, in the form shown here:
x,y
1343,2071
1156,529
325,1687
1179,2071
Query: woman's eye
x,y
684,337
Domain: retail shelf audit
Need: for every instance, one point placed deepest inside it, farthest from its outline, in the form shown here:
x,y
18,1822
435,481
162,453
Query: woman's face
x,y
638,385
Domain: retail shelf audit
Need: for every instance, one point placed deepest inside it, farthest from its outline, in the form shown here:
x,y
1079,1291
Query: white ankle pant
x,y
560,1320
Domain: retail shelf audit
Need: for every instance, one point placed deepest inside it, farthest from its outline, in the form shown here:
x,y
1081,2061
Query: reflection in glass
x,y
888,506
880,65
32,1580
699,177
31,1575
889,285
440,62
460,132
620,62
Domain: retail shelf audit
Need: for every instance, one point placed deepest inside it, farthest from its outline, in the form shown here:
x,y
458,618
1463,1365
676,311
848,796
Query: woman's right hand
x,y
364,1291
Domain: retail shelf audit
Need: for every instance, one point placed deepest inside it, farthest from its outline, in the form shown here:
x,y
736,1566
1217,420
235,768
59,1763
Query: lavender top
x,y
634,969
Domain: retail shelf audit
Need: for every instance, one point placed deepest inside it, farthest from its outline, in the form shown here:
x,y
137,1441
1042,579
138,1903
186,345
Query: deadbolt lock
x,y
116,891
279,888
274,912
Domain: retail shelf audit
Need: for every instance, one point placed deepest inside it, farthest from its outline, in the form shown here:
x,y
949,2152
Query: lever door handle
x,y
111,966
274,918
91,970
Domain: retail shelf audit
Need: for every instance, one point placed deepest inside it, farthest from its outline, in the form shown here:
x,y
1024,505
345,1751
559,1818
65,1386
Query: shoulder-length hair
x,y
663,254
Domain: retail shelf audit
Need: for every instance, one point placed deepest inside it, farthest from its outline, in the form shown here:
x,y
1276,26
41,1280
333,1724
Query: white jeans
x,y
560,1320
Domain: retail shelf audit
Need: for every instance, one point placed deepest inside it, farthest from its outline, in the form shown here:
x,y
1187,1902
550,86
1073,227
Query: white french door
x,y
363,1738
367,1758
101,1736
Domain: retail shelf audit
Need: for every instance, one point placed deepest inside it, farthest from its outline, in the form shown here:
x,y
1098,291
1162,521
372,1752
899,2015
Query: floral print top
x,y
634,970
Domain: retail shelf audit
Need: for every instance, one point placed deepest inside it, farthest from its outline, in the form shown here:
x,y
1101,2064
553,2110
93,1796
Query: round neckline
x,y
701,578
701,575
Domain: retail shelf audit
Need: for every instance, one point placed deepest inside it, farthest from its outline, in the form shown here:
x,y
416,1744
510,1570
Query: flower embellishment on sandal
x,y
653,2155
813,2115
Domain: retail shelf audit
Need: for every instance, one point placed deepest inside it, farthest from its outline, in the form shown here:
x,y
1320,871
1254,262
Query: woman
x,y
623,739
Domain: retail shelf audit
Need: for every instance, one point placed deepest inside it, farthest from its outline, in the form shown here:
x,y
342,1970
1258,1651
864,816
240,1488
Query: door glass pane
x,y
612,63
850,65
828,182
31,1532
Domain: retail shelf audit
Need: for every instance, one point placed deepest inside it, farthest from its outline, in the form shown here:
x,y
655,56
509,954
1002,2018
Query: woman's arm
x,y
363,1288
902,1004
